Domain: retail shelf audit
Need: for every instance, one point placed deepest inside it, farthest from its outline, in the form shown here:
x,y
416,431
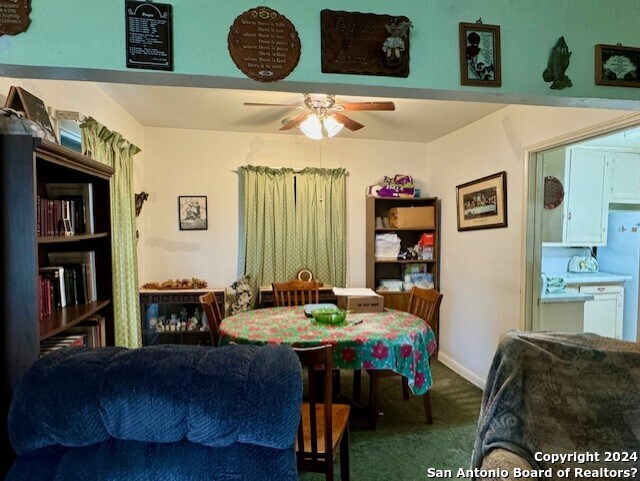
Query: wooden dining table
x,y
394,340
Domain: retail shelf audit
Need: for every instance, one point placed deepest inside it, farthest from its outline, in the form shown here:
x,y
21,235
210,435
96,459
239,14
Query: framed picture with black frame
x,y
480,55
192,212
482,203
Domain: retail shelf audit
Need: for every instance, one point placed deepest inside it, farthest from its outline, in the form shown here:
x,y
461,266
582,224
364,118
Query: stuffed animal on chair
x,y
244,295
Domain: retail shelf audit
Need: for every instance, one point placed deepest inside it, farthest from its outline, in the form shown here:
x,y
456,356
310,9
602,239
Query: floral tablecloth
x,y
392,339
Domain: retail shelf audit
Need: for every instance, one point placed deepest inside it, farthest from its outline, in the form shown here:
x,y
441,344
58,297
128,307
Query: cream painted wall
x,y
191,162
482,270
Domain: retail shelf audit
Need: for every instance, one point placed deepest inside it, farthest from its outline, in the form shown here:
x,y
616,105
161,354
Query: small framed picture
x,y
480,55
67,228
482,203
617,66
192,212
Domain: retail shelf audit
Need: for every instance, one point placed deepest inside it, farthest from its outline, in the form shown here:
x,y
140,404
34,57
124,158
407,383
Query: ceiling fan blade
x,y
347,122
257,104
295,122
368,105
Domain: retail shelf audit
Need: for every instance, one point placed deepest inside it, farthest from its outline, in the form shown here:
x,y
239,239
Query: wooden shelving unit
x,y
26,166
394,269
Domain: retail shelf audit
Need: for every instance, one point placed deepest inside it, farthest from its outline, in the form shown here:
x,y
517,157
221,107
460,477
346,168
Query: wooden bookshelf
x,y
54,239
394,268
62,319
26,165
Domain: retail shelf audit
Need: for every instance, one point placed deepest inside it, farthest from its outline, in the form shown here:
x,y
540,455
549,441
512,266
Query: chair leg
x,y
328,473
337,390
357,385
373,400
344,456
426,399
405,388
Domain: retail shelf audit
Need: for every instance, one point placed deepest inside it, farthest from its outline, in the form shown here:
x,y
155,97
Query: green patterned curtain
x,y
268,252
321,212
293,221
112,149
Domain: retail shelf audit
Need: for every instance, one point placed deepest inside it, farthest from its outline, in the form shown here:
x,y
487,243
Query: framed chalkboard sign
x,y
149,29
34,109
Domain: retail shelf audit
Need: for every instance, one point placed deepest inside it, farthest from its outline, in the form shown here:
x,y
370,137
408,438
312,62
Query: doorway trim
x,y
531,212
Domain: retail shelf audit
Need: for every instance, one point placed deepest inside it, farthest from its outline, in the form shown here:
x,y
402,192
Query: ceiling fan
x,y
323,116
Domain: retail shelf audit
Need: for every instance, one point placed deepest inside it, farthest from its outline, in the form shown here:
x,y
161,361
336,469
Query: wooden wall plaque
x,y
149,33
362,43
14,16
264,44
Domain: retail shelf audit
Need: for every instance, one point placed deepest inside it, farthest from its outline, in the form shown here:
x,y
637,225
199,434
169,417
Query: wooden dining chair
x,y
324,426
423,303
213,312
296,293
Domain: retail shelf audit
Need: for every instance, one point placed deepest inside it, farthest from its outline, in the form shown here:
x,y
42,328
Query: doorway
x,y
583,205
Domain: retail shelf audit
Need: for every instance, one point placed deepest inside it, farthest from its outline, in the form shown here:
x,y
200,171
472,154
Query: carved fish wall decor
x,y
557,65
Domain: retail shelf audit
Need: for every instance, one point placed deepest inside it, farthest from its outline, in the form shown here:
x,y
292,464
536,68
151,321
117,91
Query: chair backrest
x,y
424,303
214,315
296,293
319,364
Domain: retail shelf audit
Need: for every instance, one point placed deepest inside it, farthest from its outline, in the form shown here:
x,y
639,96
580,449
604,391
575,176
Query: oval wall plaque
x,y
264,44
14,16
553,192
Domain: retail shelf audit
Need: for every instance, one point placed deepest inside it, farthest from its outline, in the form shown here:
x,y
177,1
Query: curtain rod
x,y
236,171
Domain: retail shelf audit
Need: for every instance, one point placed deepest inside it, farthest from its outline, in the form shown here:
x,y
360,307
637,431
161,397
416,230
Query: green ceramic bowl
x,y
330,316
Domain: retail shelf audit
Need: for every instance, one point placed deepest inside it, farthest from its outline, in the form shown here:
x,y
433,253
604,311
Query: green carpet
x,y
403,446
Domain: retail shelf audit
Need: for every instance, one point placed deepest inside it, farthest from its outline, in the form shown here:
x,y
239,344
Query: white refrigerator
x,y
622,256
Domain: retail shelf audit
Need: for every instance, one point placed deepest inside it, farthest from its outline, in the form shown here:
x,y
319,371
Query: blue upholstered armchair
x,y
159,413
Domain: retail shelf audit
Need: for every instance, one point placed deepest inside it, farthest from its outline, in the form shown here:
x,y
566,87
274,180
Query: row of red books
x,y
46,295
59,217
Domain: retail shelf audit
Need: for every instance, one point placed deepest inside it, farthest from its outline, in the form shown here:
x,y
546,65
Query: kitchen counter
x,y
565,297
572,278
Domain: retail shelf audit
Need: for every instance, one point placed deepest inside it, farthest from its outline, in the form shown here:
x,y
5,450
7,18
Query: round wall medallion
x,y
14,16
264,44
553,192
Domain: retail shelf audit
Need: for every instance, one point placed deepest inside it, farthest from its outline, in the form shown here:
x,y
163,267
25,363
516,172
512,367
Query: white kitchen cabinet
x,y
623,176
585,212
603,315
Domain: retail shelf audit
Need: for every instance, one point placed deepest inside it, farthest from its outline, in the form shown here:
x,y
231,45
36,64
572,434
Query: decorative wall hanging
x,y
149,30
482,203
364,43
617,66
480,64
264,44
140,200
14,16
557,65
553,192
192,211
34,109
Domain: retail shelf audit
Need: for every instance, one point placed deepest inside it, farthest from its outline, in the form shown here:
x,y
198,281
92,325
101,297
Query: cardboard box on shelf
x,y
359,300
412,217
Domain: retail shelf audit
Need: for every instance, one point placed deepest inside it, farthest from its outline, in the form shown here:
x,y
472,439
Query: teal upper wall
x,y
89,34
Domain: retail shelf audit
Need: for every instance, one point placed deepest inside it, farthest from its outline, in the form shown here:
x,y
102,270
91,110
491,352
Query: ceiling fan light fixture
x,y
312,127
332,126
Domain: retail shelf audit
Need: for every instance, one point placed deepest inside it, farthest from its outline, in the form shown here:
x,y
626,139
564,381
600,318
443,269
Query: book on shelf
x,y
79,275
80,198
55,275
62,341
94,330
